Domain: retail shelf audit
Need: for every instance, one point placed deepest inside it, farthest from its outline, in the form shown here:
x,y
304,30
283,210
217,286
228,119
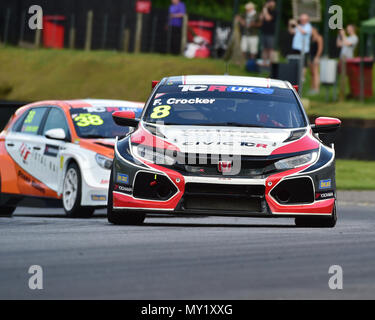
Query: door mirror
x,y
125,119
56,134
326,125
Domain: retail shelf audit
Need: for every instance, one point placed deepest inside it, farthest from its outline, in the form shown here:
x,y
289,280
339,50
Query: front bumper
x,y
227,197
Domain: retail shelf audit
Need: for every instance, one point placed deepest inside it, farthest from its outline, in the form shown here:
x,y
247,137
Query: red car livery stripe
x,y
306,143
142,136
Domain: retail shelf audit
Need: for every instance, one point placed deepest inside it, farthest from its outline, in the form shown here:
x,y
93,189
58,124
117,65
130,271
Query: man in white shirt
x,y
347,43
302,31
302,35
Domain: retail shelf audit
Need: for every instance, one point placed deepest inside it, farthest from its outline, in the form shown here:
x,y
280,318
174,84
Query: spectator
x,y
347,43
316,51
249,24
268,28
177,10
302,31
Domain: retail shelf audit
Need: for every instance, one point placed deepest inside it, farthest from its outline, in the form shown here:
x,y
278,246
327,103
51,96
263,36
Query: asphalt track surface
x,y
186,258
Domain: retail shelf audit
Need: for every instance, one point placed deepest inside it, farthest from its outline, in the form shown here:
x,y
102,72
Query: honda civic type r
x,y
60,150
222,145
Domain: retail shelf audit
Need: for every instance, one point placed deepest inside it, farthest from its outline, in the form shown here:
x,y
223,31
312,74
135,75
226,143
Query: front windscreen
x,y
97,122
225,106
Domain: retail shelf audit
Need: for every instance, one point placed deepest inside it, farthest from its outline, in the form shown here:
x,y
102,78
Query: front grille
x,y
223,197
224,190
250,166
222,204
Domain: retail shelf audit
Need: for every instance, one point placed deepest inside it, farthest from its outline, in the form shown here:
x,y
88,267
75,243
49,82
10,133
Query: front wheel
x,y
72,194
319,222
125,217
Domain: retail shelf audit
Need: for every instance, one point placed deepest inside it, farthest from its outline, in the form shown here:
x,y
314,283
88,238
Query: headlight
x,y
294,162
151,155
104,162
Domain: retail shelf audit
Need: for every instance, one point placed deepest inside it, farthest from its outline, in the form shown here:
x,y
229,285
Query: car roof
x,y
86,103
102,103
229,80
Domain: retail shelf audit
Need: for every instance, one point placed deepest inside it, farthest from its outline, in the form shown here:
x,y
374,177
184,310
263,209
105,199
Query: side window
x,y
32,121
56,120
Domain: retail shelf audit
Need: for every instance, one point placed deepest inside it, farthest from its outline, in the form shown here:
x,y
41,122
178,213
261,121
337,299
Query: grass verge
x,y
30,75
355,175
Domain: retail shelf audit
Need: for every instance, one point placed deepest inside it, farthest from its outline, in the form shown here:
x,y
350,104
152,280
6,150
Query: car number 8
x,y
160,112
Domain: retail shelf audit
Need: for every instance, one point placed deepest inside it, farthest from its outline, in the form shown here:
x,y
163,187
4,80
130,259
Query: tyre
x,y
6,212
125,217
326,222
72,194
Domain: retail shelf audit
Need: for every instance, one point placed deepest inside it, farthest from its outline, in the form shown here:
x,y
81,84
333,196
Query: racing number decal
x,y
160,112
30,116
87,119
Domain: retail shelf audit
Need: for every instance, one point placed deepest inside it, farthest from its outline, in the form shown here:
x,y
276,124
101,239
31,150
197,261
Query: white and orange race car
x,y
60,152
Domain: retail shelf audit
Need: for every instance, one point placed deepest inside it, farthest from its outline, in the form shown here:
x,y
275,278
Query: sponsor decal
x,y
95,197
30,129
99,109
212,88
158,95
224,166
125,189
33,183
122,178
51,151
325,195
104,181
61,162
24,152
325,184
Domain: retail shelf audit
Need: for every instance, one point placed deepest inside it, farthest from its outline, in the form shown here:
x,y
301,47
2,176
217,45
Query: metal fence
x,y
96,24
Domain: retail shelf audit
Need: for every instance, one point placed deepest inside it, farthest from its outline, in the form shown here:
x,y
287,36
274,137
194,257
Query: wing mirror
x,y
56,134
326,125
125,118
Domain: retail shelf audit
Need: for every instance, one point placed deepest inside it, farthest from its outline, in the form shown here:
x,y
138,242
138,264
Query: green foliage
x,y
215,9
354,11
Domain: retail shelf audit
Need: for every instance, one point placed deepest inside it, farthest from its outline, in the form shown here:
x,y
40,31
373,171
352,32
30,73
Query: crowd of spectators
x,y
258,32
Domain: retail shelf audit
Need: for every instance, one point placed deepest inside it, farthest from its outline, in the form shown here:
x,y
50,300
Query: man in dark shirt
x,y
268,19
177,10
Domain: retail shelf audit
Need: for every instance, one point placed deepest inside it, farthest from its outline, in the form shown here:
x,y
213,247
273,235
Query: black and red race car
x,y
223,145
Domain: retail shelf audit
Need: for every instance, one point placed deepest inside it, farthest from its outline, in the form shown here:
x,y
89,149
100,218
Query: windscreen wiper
x,y
233,124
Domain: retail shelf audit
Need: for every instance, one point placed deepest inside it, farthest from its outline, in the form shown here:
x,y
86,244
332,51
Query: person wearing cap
x,y
250,38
